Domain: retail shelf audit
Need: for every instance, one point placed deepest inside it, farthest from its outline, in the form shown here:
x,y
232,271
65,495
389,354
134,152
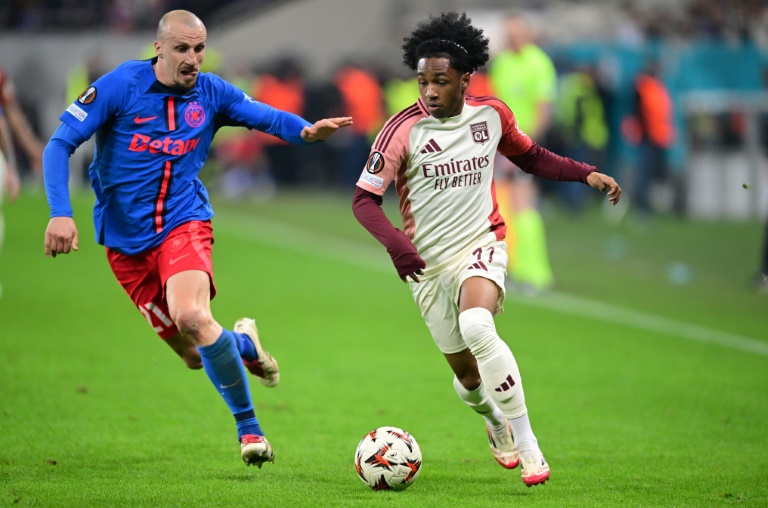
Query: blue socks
x,y
245,347
222,363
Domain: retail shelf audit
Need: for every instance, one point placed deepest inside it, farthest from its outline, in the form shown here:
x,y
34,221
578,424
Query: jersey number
x,y
480,264
150,311
479,253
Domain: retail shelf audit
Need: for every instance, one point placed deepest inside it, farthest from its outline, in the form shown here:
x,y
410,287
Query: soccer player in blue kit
x,y
154,121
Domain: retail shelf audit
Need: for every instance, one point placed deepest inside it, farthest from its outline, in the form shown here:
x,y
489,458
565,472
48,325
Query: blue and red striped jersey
x,y
151,142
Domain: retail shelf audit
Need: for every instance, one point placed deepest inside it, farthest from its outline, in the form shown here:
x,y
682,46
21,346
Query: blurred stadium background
x,y
711,56
645,367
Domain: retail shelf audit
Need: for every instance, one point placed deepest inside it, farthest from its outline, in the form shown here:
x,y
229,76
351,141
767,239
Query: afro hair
x,y
451,35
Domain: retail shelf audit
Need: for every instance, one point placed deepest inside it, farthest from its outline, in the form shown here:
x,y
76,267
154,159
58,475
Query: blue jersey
x,y
151,142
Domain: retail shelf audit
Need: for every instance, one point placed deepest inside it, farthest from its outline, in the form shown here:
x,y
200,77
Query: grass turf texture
x,y
97,411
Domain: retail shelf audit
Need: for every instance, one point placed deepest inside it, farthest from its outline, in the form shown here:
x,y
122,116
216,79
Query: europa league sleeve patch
x,y
375,163
88,96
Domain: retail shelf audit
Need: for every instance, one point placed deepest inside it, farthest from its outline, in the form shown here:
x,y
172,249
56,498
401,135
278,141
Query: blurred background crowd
x,y
668,97
30,16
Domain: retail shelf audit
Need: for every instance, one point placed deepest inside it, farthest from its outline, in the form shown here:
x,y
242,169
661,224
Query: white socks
x,y
481,403
497,366
525,441
500,376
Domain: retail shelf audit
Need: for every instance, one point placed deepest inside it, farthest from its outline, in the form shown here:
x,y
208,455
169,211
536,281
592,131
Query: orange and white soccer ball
x,y
388,458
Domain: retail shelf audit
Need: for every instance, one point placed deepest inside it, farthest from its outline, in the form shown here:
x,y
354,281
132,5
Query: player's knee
x,y
190,320
478,330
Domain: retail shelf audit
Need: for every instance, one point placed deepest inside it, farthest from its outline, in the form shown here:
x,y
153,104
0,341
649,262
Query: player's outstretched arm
x,y
604,183
324,129
60,236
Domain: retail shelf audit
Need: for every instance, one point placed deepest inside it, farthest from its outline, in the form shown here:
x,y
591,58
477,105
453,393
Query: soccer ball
x,y
388,458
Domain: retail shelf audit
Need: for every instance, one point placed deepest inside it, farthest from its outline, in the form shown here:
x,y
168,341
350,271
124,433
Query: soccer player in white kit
x,y
439,153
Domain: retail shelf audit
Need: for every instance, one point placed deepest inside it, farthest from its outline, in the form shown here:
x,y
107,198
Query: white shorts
x,y
438,296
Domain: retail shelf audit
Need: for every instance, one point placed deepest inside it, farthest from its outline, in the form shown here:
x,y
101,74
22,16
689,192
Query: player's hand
x,y
409,265
323,129
604,183
413,275
60,236
406,259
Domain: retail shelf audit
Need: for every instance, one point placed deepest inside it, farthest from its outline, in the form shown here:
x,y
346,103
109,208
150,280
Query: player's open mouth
x,y
189,73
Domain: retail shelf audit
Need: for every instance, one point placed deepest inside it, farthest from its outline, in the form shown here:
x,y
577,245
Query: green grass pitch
x,y
646,373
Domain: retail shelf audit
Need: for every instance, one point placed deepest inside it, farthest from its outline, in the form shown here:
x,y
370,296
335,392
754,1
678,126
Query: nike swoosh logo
x,y
223,387
174,260
143,120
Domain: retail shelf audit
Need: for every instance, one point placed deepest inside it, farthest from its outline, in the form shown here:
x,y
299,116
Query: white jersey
x,y
443,174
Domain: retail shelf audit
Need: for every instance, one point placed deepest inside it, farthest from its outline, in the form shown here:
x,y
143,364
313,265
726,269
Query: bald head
x,y
174,19
180,48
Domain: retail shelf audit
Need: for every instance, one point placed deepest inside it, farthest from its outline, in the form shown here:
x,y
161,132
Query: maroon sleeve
x,y
541,162
367,209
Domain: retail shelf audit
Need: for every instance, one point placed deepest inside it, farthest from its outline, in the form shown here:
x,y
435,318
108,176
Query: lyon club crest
x,y
479,132
194,115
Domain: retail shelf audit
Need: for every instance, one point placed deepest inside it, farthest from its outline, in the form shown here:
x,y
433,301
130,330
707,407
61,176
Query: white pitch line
x,y
374,257
584,307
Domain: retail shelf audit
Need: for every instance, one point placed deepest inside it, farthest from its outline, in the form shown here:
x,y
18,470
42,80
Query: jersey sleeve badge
x,y
375,163
88,96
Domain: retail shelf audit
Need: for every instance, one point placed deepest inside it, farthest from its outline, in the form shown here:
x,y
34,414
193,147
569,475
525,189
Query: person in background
x,y
21,131
14,129
9,177
651,127
154,121
524,78
761,278
439,153
363,99
284,87
580,126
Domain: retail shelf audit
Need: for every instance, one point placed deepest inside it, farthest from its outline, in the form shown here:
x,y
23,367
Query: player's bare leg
x,y
499,372
470,389
188,295
185,347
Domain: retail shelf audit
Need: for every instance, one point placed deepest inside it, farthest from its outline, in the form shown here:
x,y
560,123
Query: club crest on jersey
x,y
479,132
194,115
88,96
177,243
375,163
